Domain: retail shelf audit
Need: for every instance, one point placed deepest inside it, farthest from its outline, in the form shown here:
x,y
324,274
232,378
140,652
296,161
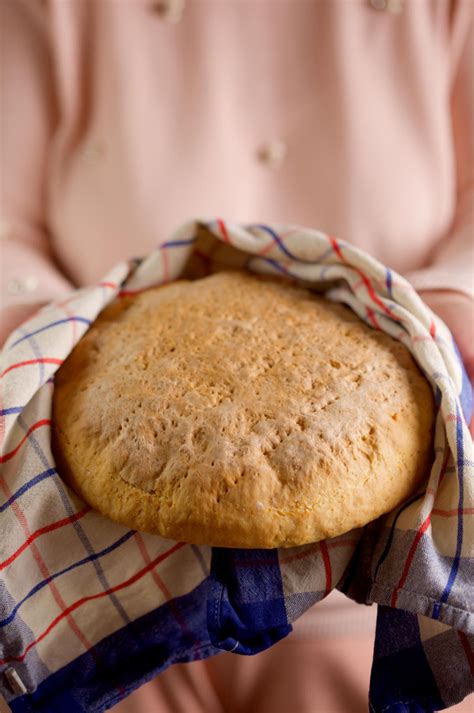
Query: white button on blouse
x,y
23,285
169,10
272,153
393,6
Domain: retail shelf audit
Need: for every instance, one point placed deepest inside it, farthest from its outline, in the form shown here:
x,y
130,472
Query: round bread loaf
x,y
238,411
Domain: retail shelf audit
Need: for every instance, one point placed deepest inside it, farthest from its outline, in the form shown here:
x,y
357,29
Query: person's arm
x,y
447,283
29,277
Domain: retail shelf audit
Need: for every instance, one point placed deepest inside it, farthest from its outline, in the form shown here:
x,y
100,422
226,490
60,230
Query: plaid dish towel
x,y
89,610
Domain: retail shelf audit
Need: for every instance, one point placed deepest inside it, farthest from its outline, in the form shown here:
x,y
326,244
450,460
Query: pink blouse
x,y
124,118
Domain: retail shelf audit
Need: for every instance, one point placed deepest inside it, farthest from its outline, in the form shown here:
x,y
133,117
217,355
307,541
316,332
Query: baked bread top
x,y
239,411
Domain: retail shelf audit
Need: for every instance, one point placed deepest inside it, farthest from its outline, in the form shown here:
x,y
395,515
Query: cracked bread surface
x,y
238,411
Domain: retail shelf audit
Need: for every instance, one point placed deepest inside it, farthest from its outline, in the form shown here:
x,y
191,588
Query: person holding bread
x,y
122,119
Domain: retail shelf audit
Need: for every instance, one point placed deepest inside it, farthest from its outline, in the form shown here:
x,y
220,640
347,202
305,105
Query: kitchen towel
x,y
89,610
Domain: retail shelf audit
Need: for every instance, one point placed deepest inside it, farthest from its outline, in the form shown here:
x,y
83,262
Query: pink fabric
x,y
121,125
301,674
305,673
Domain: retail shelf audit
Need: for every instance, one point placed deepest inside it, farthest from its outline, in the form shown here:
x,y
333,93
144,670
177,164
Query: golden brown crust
x,y
234,411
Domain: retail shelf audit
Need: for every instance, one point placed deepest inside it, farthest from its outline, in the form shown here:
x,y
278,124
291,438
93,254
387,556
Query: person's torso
x,y
333,115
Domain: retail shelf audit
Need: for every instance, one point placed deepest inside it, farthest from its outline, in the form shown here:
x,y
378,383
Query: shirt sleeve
x,y
451,267
29,276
